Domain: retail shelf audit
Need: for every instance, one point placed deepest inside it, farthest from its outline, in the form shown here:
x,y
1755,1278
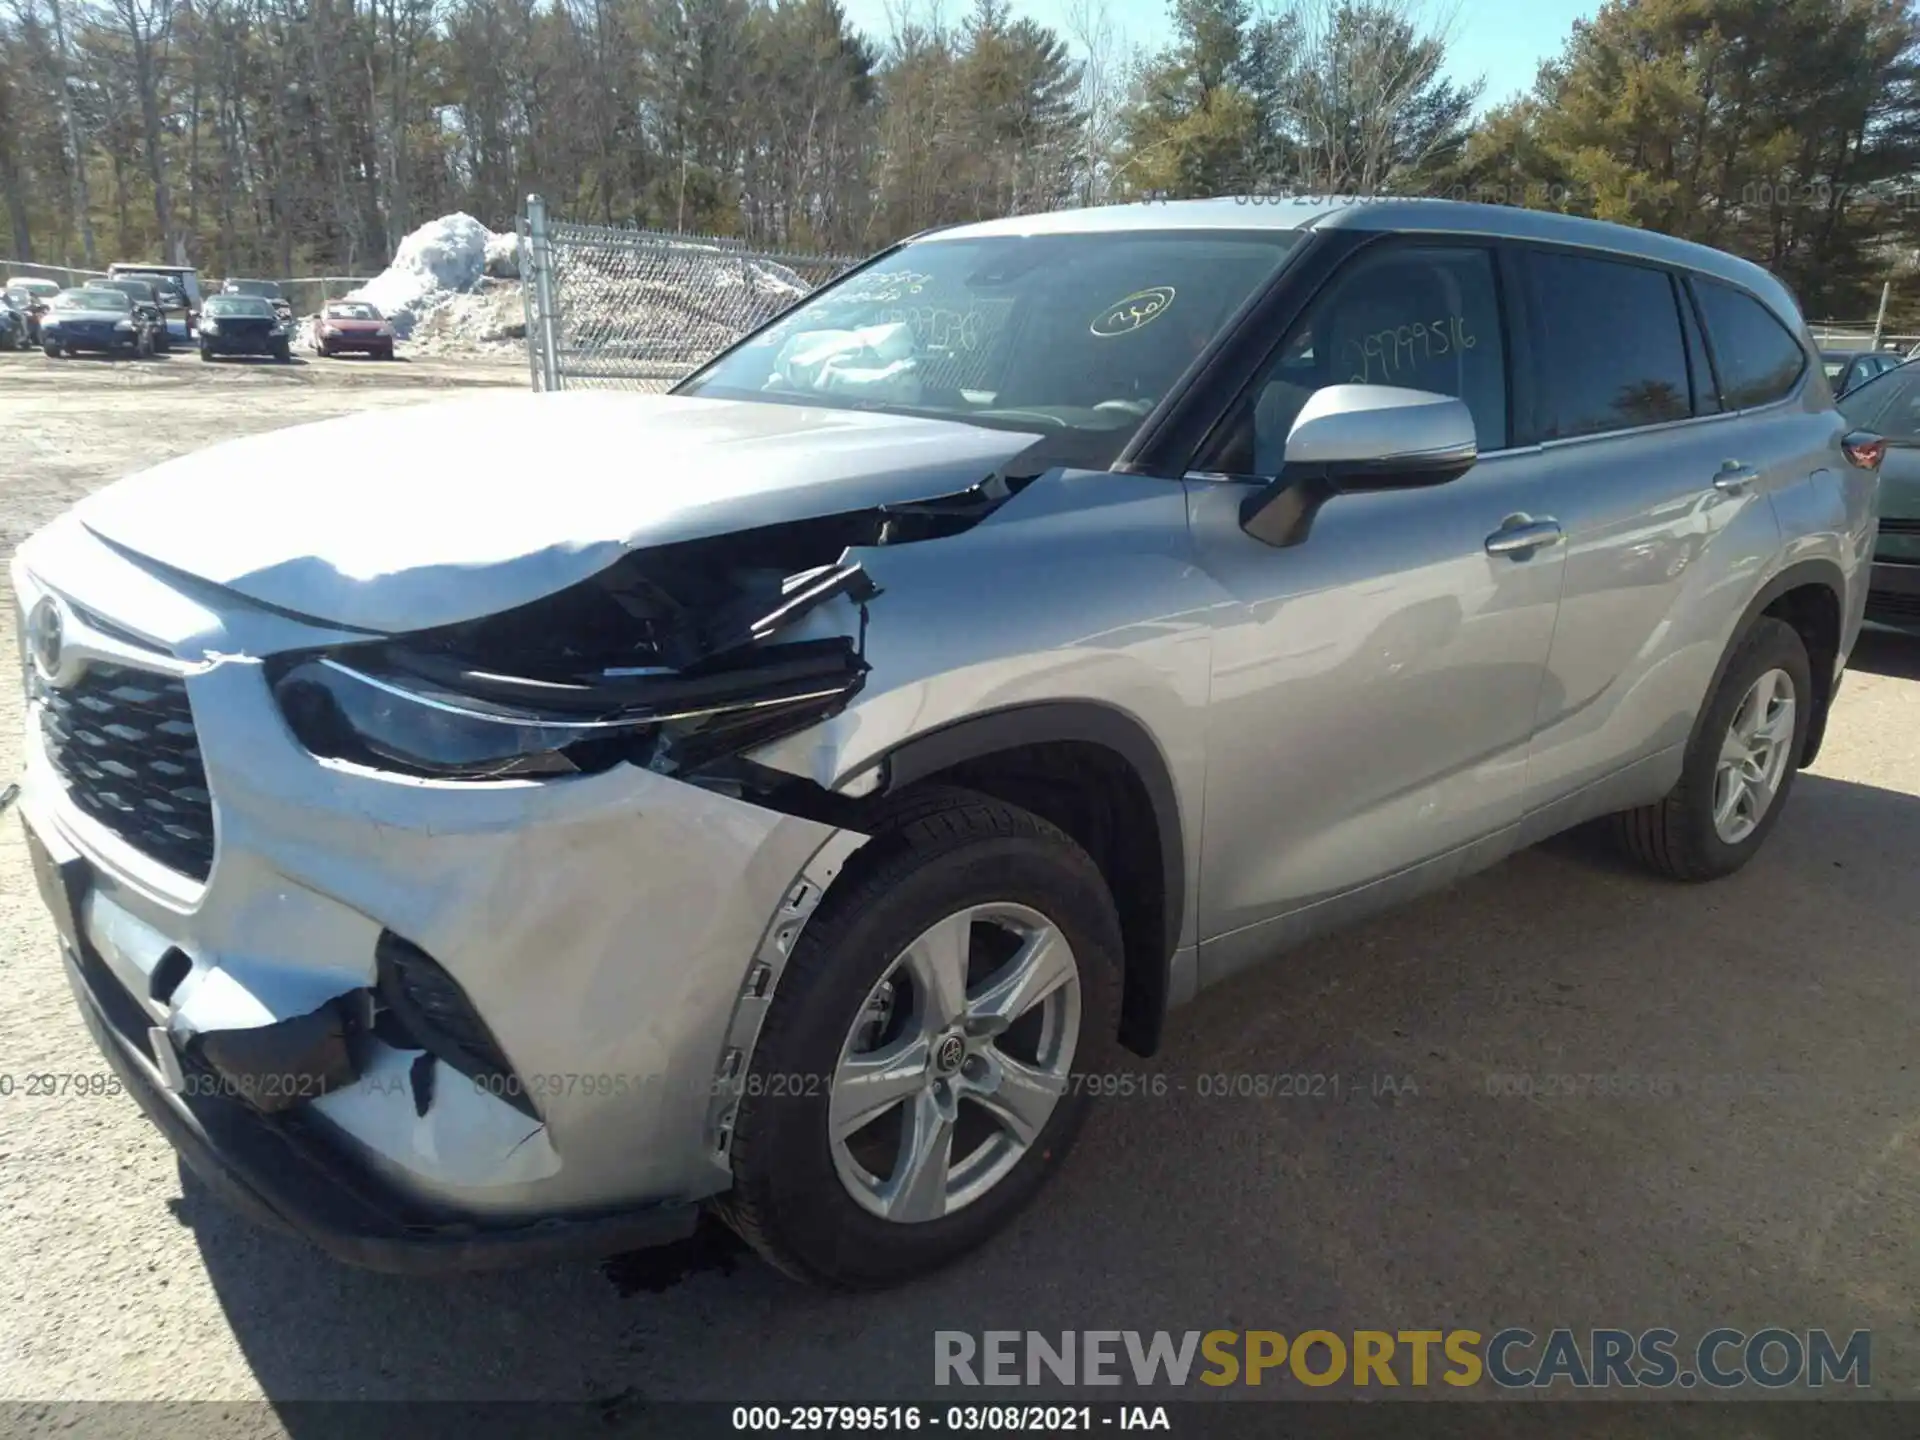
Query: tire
x,y
50,350
326,352
283,354
206,354
1678,836
386,354
937,856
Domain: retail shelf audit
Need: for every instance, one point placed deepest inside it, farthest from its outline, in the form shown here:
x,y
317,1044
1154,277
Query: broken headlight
x,y
425,714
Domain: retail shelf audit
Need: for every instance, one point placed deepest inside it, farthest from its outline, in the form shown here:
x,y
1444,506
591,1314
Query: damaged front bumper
x,y
429,1024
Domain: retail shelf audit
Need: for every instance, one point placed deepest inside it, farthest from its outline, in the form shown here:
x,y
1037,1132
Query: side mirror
x,y
1352,439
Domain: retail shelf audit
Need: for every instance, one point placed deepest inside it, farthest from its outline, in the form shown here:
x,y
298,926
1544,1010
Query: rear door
x,y
1663,498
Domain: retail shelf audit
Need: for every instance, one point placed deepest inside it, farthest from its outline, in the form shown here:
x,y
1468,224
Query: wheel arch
x,y
1099,774
1810,595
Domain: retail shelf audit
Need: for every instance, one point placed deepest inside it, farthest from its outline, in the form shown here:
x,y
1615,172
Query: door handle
x,y
1734,476
1521,535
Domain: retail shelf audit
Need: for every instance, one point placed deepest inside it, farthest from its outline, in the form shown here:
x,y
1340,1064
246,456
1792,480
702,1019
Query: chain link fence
x,y
624,309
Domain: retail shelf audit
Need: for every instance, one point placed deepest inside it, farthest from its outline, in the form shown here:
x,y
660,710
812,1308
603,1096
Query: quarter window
x,y
1758,358
1610,350
1418,317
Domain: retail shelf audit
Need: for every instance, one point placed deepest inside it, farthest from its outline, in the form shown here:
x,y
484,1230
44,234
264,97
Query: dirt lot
x,y
1773,1182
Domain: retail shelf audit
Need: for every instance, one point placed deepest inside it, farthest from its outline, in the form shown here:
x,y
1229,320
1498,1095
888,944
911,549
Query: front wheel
x,y
206,353
1739,766
50,349
916,1080
283,353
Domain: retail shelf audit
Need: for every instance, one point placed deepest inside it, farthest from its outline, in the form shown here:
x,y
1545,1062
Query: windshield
x,y
137,289
239,306
1074,335
349,310
91,300
265,289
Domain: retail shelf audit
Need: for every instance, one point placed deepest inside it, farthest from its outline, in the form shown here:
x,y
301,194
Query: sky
x,y
1503,40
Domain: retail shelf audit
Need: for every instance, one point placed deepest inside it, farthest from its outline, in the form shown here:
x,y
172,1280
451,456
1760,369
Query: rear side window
x,y
1610,352
1758,359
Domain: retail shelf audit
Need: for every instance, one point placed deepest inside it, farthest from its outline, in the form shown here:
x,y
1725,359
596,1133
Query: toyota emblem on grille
x,y
46,639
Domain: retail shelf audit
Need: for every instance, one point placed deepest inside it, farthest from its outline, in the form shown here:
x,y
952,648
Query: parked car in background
x,y
1889,406
94,318
184,279
29,295
242,325
268,290
352,325
848,874
172,299
146,305
13,326
1847,370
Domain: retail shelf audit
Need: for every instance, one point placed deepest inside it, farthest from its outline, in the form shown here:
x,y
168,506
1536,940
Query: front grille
x,y
124,743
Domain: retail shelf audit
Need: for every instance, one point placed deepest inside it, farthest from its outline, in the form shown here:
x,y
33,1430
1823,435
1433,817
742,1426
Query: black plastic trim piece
x,y
1794,577
1055,721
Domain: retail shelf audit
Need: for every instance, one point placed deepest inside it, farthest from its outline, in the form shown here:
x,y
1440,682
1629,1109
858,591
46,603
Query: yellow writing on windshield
x,y
1132,312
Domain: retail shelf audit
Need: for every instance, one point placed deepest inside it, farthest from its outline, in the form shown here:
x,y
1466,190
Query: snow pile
x,y
491,317
454,286
441,259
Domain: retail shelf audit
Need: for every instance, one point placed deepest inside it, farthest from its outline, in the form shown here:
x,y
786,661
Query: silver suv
x,y
786,794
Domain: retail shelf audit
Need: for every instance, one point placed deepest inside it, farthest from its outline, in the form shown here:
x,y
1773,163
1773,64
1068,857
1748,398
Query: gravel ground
x,y
1776,1184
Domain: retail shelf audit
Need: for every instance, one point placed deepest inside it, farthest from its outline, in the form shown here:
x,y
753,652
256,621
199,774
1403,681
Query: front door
x,y
1374,686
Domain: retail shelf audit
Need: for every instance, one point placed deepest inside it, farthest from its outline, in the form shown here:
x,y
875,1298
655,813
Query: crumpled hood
x,y
426,515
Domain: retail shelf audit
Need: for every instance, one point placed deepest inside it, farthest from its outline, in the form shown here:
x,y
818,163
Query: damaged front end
x,y
673,658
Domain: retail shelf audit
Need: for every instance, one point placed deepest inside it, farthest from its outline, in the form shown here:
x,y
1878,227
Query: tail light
x,y
1865,450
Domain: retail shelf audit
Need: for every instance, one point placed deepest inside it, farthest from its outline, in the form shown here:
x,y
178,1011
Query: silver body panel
x,y
1344,723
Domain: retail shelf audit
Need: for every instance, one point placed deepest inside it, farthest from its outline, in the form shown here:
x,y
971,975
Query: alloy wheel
x,y
1754,757
955,1063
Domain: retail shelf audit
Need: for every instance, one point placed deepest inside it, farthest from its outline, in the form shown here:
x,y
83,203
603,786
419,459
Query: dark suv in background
x,y
1889,406
146,305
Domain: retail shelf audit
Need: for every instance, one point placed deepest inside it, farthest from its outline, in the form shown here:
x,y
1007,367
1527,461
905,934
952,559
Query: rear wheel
x,y
385,353
1739,767
51,349
206,351
914,1082
283,353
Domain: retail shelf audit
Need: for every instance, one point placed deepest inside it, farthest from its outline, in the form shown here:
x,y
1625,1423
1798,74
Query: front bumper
x,y
282,1173
612,931
370,344
1893,596
109,343
261,344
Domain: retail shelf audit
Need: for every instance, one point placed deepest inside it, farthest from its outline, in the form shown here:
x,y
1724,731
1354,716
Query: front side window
x,y
1077,336
1758,358
1610,354
1417,317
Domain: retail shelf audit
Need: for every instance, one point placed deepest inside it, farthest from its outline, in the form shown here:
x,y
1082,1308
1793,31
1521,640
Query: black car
x,y
1848,370
13,327
242,325
266,290
172,299
29,298
146,305
94,318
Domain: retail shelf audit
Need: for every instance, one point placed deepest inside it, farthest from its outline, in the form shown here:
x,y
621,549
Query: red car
x,y
353,325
